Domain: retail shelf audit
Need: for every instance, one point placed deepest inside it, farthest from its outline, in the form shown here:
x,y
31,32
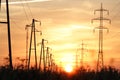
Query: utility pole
x,y
9,34
42,55
100,61
33,38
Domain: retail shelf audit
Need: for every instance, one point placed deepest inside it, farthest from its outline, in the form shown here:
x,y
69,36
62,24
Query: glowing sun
x,y
68,68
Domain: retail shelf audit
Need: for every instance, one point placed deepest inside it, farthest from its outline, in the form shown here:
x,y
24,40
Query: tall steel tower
x,y
82,53
82,49
9,34
33,40
77,58
51,62
26,28
42,55
48,58
27,37
100,61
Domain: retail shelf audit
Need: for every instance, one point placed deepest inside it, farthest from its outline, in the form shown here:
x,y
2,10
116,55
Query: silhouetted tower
x,y
52,66
100,62
33,40
26,28
42,56
51,62
27,37
48,58
82,53
9,35
77,58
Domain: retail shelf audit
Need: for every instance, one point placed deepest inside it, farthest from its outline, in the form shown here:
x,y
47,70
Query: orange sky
x,y
65,23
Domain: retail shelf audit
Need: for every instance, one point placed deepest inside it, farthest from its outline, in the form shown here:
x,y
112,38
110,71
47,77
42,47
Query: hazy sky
x,y
65,23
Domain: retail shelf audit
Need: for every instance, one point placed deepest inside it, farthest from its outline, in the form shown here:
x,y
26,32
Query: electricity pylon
x,y
26,28
42,55
48,58
77,58
9,34
100,62
27,37
33,38
82,53
51,62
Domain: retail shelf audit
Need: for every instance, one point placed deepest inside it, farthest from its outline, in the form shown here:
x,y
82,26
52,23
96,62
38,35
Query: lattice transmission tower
x,y
82,54
42,61
100,61
48,58
81,50
27,36
33,42
77,58
9,34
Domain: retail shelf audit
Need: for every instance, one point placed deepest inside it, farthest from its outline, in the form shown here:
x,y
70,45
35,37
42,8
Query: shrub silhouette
x,y
107,73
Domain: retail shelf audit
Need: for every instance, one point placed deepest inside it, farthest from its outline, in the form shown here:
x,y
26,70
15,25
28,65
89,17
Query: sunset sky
x,y
65,24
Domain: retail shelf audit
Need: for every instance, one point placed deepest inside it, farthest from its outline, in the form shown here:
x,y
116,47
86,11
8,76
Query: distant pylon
x,y
82,54
27,37
42,56
51,62
9,35
77,59
100,62
33,38
48,58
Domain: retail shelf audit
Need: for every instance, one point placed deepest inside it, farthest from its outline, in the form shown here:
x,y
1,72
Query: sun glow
x,y
68,68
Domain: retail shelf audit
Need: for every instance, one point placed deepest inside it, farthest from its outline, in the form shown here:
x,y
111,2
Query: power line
x,y
25,11
29,9
16,25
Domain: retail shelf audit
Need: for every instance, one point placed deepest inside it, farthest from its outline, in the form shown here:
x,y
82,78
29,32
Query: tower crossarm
x,y
101,18
3,22
38,21
36,30
101,10
101,28
26,27
104,10
43,40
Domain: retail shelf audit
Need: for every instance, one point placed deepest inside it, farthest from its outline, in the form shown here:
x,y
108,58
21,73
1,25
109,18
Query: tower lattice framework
x,y
32,47
100,61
